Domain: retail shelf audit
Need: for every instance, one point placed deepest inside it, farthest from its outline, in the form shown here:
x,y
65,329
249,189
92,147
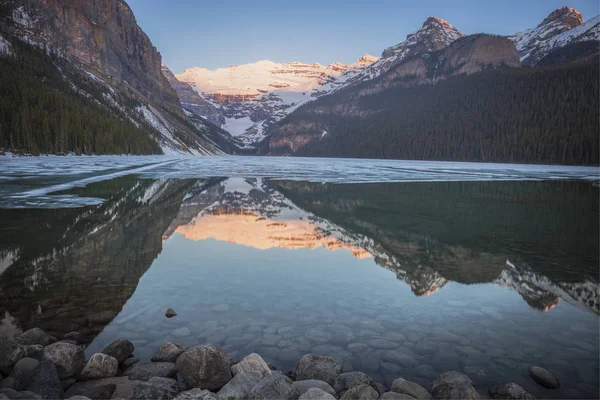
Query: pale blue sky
x,y
211,34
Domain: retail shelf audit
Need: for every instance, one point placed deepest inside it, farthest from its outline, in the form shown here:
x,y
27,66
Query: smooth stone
x,y
129,362
99,389
348,380
323,368
145,372
413,389
400,357
35,351
170,313
196,394
79,398
34,336
66,383
181,332
544,377
305,385
360,392
23,369
454,385
156,388
205,366
14,395
317,335
168,352
68,358
382,344
252,363
10,353
274,386
120,349
316,394
100,366
10,383
240,386
395,396
510,391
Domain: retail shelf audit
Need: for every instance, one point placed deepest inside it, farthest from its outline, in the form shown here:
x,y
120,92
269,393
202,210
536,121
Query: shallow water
x,y
426,268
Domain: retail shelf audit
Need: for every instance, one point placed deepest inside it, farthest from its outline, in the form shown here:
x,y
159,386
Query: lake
x,y
395,268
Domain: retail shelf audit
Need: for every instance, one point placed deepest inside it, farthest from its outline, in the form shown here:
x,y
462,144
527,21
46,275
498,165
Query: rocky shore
x,y
36,365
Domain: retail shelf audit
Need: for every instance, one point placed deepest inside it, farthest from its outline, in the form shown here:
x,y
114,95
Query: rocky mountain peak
x,y
569,17
364,60
434,34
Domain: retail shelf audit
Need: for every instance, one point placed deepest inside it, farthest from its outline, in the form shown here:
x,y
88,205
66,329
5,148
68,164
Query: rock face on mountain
x,y
247,100
563,26
101,38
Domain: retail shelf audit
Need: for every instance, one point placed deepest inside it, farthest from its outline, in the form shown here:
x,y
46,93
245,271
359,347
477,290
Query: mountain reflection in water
x,y
74,269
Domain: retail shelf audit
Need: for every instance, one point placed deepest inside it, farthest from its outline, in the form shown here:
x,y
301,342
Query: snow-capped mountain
x,y
252,97
563,26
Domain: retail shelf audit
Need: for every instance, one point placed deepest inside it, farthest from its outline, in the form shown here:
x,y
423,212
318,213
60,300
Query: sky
x,y
219,33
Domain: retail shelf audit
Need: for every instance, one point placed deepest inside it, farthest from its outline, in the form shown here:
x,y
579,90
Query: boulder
x,y
169,352
120,349
454,385
360,392
97,390
252,363
35,336
170,313
100,366
316,394
274,386
68,358
44,380
395,396
145,372
205,366
66,383
410,388
76,336
23,369
348,380
157,389
78,398
14,395
544,377
35,351
318,367
510,391
305,385
129,362
11,383
196,394
240,386
10,353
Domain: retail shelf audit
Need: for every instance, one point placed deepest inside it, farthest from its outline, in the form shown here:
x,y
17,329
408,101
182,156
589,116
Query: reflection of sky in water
x,y
283,303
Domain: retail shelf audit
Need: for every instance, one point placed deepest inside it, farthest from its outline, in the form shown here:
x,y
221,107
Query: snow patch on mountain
x,y
4,46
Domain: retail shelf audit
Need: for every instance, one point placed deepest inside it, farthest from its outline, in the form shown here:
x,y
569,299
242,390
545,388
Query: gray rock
x,y
44,380
35,351
454,385
316,394
410,388
35,336
156,388
360,392
14,395
23,369
205,366
348,380
510,391
181,332
395,396
129,362
123,387
252,363
100,389
11,383
323,368
379,343
66,383
544,377
274,386
196,394
100,366
68,358
145,372
170,313
76,336
402,358
120,349
240,386
78,398
305,385
169,352
10,353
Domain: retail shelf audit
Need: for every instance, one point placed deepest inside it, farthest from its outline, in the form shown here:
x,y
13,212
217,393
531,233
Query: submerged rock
x,y
68,358
170,313
544,377
205,366
510,391
323,368
410,388
169,352
252,363
120,349
454,385
100,366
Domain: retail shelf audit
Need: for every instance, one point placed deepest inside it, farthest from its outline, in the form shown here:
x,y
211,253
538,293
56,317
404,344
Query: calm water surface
x,y
397,269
